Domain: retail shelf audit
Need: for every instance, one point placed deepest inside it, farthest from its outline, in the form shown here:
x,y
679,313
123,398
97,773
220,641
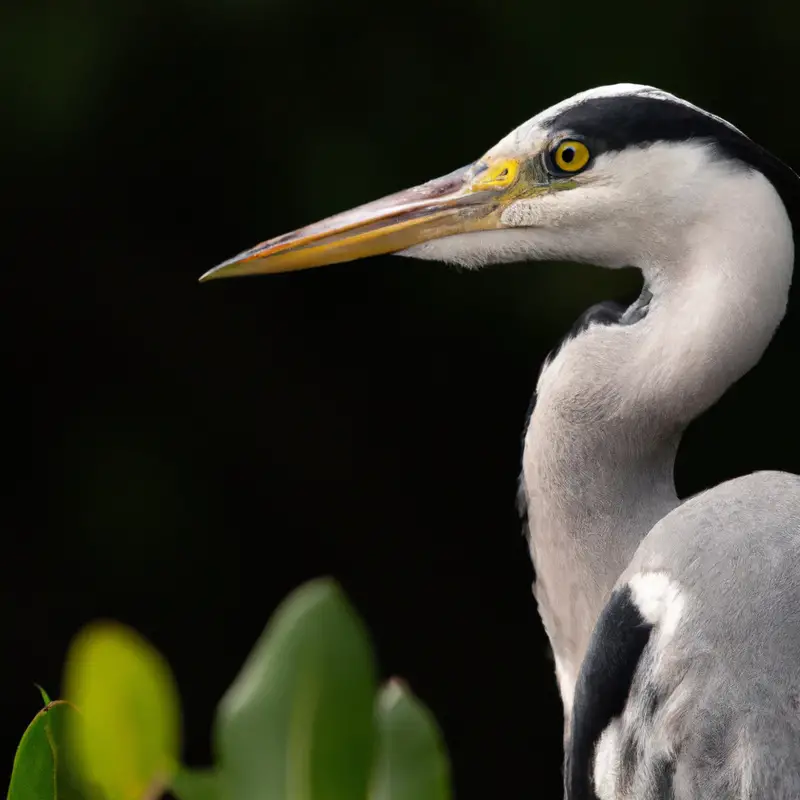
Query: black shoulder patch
x,y
604,681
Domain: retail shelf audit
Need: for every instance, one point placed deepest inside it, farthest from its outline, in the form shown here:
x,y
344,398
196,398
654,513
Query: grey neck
x,y
614,401
595,482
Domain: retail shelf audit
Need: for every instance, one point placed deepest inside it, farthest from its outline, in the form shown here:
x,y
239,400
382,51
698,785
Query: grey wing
x,y
691,685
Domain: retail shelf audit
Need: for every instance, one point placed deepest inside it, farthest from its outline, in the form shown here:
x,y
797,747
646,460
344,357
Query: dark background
x,y
181,456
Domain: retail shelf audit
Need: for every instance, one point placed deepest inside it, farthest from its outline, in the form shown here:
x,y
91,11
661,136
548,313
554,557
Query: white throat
x,y
613,402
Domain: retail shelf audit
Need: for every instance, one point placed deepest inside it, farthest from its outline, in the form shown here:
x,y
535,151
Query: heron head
x,y
613,176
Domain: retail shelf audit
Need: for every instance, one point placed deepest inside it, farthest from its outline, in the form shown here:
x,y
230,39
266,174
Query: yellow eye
x,y
570,156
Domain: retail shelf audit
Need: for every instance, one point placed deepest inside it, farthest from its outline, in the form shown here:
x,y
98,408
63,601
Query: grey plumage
x,y
714,707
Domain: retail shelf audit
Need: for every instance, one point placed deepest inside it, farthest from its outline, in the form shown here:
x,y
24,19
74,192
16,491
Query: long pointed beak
x,y
469,199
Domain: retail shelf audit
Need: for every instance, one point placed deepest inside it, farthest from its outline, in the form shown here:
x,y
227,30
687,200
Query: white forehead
x,y
531,132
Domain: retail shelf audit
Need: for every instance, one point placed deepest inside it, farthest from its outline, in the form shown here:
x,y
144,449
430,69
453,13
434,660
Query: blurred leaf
x,y
297,723
45,696
412,763
127,742
37,774
195,784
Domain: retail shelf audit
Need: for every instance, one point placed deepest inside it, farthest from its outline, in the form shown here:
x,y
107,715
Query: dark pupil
x,y
568,155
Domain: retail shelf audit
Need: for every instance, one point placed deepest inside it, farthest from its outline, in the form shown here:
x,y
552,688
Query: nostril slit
x,y
503,173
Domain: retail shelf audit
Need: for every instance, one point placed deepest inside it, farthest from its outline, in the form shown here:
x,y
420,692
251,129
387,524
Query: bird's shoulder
x,y
690,686
750,490
661,712
756,516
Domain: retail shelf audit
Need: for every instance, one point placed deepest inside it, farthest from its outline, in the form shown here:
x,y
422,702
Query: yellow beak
x,y
469,199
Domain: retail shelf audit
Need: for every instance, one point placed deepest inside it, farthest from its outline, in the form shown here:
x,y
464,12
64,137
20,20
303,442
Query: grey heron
x,y
675,625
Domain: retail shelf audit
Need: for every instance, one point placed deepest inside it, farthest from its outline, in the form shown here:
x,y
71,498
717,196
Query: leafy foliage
x,y
39,771
412,764
303,720
298,719
127,742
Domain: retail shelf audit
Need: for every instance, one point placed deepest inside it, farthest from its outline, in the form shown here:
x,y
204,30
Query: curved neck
x,y
614,401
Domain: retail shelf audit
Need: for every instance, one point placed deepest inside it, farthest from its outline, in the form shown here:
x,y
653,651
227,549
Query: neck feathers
x,y
615,399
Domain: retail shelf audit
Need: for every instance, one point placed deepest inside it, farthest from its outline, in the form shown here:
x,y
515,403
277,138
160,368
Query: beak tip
x,y
211,275
220,271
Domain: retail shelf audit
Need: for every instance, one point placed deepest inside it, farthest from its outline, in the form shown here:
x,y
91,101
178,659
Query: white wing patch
x,y
659,599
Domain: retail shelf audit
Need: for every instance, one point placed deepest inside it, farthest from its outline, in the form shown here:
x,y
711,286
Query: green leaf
x,y
196,784
127,741
297,723
412,763
37,773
